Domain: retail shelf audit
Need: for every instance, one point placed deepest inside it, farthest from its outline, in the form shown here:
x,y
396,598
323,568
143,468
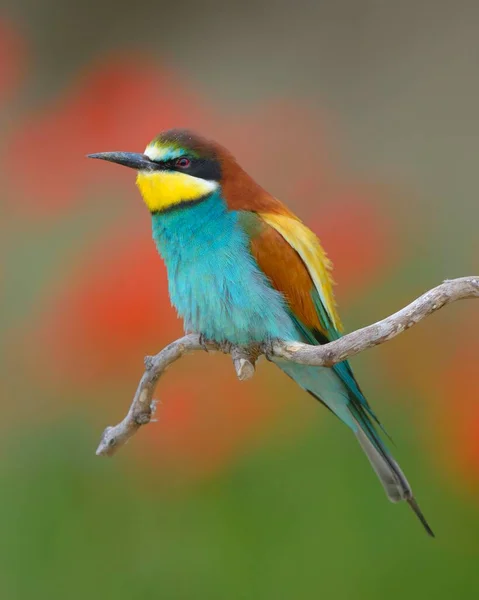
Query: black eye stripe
x,y
204,168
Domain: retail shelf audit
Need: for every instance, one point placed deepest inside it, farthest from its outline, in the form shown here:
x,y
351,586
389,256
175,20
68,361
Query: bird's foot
x,y
207,345
225,347
267,349
204,342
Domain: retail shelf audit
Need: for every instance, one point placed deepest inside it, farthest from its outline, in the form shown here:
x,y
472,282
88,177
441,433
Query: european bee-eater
x,y
242,268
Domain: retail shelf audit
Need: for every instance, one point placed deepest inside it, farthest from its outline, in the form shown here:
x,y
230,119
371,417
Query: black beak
x,y
140,162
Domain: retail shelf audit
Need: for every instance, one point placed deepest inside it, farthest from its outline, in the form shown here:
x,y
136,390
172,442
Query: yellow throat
x,y
163,189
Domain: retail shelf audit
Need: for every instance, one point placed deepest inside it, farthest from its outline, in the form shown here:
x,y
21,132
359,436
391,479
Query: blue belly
x,y
214,282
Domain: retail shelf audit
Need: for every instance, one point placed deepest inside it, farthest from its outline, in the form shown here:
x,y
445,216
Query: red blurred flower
x,y
203,423
455,407
113,308
460,416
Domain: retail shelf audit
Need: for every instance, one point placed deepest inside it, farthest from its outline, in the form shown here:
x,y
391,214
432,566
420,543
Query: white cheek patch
x,y
208,185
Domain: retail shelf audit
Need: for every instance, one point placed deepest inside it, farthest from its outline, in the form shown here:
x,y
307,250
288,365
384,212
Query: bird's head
x,y
177,168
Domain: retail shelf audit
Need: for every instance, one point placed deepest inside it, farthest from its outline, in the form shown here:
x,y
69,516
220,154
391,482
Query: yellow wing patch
x,y
308,246
163,189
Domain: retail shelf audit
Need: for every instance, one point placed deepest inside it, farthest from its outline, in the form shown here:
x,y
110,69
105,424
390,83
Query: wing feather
x,y
314,258
291,256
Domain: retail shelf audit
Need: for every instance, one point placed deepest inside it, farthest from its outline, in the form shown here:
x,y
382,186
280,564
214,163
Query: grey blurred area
x,y
400,76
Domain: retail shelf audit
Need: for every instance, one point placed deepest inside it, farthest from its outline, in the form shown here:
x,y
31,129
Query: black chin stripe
x,y
181,205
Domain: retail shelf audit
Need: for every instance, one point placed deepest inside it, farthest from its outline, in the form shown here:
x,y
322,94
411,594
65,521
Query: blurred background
x,y
363,117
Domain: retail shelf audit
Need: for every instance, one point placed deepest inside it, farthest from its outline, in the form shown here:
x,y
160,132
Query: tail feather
x,y
391,476
335,390
415,506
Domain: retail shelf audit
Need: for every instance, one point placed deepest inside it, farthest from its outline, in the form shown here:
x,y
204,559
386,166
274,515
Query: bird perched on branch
x,y
243,269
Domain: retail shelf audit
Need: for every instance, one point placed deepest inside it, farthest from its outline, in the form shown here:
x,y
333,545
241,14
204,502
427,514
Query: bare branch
x,y
353,343
244,358
143,406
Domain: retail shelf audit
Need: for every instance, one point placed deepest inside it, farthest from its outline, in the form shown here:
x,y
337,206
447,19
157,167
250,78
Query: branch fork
x,y
244,358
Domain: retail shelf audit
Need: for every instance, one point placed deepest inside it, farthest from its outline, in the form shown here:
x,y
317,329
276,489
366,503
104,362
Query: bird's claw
x,y
267,349
225,347
204,342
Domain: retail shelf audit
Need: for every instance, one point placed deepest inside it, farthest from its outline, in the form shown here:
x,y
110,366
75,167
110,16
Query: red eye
x,y
183,162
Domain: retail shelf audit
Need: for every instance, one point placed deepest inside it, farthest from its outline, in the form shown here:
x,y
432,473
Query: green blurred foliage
x,y
282,522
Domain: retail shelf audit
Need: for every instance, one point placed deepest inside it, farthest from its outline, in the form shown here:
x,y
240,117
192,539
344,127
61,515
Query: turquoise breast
x,y
214,282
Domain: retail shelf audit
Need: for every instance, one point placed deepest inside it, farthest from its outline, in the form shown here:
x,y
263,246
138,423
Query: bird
x,y
243,269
